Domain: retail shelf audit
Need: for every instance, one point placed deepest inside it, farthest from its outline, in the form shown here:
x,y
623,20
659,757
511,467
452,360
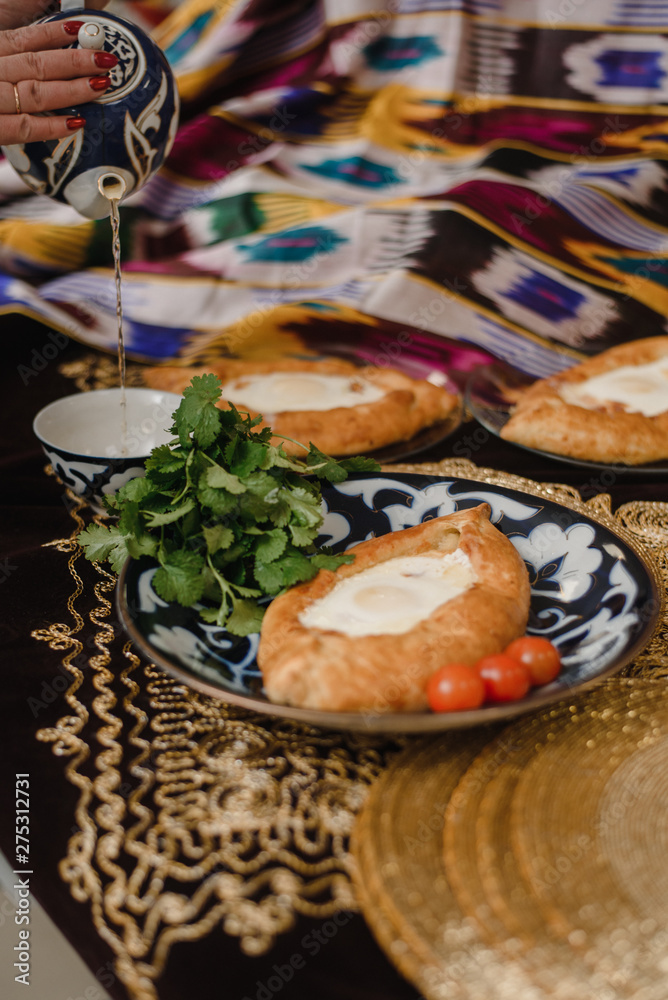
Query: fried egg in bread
x,y
631,388
342,408
367,636
612,408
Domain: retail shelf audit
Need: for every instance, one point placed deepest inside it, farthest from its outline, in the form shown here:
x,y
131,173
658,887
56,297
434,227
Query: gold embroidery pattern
x,y
227,819
99,371
193,814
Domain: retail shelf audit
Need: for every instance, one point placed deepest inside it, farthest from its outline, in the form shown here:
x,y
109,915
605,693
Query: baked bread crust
x,y
541,419
409,405
330,671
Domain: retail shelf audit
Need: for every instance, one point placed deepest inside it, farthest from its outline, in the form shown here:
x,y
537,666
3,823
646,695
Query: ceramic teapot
x,y
129,129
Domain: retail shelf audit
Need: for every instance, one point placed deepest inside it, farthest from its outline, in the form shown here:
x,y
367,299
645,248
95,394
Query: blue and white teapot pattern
x,y
129,128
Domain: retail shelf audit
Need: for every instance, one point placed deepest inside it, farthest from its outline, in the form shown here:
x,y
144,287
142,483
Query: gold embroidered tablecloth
x,y
193,814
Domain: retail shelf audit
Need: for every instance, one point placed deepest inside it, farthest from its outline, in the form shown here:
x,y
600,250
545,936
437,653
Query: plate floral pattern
x,y
591,595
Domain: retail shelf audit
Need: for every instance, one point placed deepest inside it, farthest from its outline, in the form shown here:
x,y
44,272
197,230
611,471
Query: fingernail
x,y
106,60
73,27
99,82
74,123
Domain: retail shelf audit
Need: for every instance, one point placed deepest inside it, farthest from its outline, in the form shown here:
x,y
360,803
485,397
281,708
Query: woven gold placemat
x,y
193,814
530,864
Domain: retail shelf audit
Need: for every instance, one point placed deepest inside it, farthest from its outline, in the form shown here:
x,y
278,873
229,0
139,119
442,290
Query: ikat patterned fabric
x,y
489,171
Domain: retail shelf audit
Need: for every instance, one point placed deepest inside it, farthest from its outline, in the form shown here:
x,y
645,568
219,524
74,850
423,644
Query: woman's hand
x,y
19,13
38,73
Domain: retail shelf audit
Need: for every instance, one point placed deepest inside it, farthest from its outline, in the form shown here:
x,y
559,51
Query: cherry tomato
x,y
454,687
538,655
505,678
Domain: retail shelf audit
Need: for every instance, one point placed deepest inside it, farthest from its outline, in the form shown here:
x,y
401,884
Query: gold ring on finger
x,y
17,100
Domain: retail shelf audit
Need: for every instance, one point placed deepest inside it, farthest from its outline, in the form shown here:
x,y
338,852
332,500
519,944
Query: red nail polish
x,y
75,123
99,82
106,60
73,27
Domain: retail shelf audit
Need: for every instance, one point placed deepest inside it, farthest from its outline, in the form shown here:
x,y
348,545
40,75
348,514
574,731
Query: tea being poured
x,y
113,187
130,127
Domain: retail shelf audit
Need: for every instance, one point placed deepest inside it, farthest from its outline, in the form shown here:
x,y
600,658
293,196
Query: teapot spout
x,y
93,191
112,186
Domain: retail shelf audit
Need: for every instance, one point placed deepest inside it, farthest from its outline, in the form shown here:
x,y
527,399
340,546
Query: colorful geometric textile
x,y
492,172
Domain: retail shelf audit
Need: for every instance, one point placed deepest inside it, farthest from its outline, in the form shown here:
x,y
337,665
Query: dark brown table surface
x,y
35,588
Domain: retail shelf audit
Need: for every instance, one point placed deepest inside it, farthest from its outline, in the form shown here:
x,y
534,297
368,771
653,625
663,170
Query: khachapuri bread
x,y
344,409
369,635
612,408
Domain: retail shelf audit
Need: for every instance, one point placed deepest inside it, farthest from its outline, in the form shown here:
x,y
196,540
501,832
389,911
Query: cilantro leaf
x,y
304,506
271,545
252,508
220,503
324,467
165,461
296,568
325,560
197,413
270,577
101,543
276,458
135,489
358,463
169,516
247,456
336,471
303,536
214,616
217,537
143,545
261,484
130,521
245,619
220,478
180,577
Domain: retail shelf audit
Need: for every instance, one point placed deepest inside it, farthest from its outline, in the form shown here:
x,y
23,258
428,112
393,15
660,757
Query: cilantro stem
x,y
226,589
284,437
188,483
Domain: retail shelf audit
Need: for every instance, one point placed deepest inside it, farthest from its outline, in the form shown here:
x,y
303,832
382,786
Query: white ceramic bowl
x,y
82,436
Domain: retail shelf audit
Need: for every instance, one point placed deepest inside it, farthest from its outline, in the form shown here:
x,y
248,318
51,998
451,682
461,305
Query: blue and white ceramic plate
x,y
592,595
487,399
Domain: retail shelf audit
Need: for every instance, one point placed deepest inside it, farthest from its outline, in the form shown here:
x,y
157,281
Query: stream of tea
x,y
113,188
116,246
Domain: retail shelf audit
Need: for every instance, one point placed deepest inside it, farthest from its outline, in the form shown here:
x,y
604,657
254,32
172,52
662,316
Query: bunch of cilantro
x,y
228,516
